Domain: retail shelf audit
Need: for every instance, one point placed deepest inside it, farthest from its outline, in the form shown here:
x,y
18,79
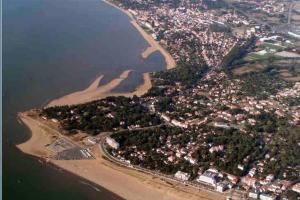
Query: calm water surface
x,y
52,48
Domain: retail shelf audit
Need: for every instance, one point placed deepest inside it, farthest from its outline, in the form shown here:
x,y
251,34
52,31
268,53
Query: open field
x,y
270,46
247,69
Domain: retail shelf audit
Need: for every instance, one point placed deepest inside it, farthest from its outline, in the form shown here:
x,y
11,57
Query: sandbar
x,y
93,92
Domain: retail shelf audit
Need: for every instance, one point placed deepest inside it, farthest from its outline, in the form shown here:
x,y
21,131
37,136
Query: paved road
x,y
235,194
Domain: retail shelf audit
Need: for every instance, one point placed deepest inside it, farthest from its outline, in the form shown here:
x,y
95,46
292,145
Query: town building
x,y
182,176
253,194
112,143
221,187
296,188
209,178
267,197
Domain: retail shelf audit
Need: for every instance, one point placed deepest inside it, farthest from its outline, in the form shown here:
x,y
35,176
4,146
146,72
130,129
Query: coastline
x,y
93,92
153,44
125,182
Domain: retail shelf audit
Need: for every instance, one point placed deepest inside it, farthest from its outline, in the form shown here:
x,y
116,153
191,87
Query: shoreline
x,y
124,182
93,92
153,44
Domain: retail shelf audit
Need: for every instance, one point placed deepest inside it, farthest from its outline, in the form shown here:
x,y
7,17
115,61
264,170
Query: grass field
x,y
248,68
255,56
267,45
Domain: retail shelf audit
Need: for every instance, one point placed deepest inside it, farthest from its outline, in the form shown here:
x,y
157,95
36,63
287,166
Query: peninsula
x,y
224,123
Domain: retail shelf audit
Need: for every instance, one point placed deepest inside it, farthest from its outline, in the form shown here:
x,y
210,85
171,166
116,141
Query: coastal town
x,y
226,119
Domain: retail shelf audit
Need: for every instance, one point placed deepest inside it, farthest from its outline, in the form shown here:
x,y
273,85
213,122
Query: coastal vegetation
x,y
263,83
186,74
104,115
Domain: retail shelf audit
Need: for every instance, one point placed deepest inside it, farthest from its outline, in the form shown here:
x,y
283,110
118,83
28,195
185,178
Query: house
x,y
216,148
182,176
296,188
112,143
240,167
233,179
270,178
252,172
171,158
249,181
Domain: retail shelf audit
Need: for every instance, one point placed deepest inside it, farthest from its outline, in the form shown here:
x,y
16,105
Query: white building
x,y
216,148
240,167
296,188
178,123
221,125
221,187
270,177
182,176
208,177
267,197
253,194
112,143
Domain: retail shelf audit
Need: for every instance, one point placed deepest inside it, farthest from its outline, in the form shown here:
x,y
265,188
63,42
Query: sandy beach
x,y
153,44
93,92
39,138
125,182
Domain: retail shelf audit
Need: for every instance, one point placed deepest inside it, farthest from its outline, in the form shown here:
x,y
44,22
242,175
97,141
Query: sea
x,y
52,48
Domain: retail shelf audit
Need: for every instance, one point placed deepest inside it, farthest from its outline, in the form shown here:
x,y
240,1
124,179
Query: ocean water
x,y
52,48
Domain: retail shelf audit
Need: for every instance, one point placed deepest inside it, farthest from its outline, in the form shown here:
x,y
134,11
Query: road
x,y
235,194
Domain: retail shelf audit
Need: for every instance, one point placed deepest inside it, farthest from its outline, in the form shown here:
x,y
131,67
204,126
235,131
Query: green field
x,y
267,45
255,56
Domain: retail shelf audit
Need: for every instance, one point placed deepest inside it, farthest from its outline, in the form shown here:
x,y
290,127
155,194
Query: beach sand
x,y
93,92
125,182
39,138
153,44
